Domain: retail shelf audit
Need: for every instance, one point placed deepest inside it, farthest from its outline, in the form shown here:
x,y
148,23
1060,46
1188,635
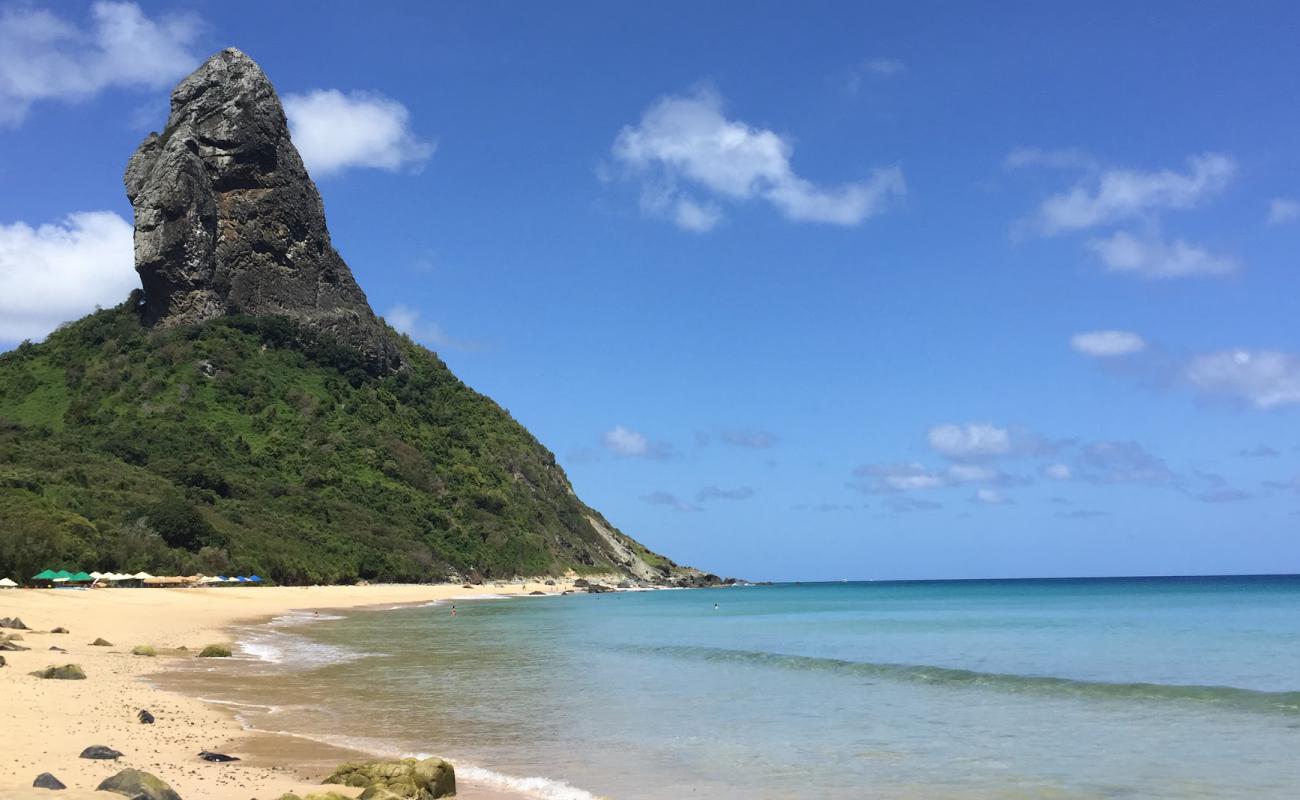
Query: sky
x,y
834,290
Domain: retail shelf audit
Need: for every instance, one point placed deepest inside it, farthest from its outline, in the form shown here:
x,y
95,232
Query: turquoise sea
x,y
1130,688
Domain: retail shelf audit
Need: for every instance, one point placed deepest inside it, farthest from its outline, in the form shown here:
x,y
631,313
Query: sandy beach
x,y
47,723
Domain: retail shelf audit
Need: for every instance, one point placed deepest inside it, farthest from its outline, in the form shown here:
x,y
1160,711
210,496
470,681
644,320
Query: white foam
x,y
279,647
236,704
541,788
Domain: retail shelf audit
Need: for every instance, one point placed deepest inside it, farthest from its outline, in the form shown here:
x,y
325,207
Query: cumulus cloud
x,y
1111,462
627,443
975,440
1265,379
669,500
408,320
685,147
1120,194
334,131
1107,344
913,476
1283,210
991,497
1071,158
58,272
1057,471
1153,257
46,57
714,493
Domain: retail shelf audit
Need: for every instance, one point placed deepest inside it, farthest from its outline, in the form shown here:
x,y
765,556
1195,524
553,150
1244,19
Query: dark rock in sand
x,y
13,623
100,751
58,649
215,651
47,781
67,672
145,717
138,785
550,583
406,778
2,661
101,643
11,647
596,588
58,630
227,221
219,758
536,592
581,583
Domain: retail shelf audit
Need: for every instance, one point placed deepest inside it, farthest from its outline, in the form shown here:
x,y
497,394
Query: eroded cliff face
x,y
227,220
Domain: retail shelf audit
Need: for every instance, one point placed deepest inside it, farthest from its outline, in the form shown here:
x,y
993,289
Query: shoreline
x,y
63,717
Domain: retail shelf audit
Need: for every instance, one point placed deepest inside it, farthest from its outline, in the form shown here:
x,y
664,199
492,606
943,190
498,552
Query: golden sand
x,y
45,724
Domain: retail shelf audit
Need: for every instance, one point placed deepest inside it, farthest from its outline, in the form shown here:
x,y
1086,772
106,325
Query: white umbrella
x,y
141,576
6,583
96,575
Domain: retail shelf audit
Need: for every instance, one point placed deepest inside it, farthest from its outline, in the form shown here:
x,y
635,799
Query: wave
x,y
530,786
1225,696
278,647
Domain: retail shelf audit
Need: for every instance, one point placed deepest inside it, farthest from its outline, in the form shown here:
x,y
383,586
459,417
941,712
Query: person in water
x,y
453,610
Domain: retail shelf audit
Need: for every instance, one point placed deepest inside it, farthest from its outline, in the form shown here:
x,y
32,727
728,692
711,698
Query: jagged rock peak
x,y
227,220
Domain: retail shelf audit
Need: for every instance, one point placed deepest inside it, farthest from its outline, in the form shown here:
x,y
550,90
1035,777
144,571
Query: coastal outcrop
x,y
138,785
420,779
227,220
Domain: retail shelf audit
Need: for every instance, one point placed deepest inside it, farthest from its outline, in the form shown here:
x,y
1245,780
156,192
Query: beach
x,y
47,723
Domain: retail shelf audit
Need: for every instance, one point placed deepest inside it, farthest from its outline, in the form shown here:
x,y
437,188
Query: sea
x,y
1073,688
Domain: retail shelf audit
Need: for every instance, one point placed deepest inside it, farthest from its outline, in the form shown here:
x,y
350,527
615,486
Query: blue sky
x,y
885,291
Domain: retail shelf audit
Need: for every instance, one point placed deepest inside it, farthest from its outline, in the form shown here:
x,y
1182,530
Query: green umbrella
x,y
63,573
44,575
80,577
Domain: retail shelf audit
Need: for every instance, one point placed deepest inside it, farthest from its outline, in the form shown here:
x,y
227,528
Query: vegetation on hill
x,y
251,445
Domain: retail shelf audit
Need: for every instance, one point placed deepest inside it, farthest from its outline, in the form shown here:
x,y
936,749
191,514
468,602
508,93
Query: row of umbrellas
x,y
63,576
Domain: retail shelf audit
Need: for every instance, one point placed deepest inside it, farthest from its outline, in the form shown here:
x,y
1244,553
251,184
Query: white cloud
x,y
884,67
991,497
670,500
623,441
1154,258
1282,210
1120,194
334,131
45,57
407,320
1264,378
688,142
1057,472
1107,344
1122,462
715,493
1061,158
975,440
57,273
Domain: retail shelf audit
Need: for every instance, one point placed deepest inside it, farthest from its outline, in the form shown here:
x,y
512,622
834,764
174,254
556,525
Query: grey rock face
x,y
227,220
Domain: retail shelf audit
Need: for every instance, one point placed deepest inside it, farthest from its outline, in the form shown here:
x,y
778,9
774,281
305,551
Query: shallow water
x,y
1082,688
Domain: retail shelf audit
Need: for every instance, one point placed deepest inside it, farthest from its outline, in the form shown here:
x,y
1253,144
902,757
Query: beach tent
x,y
254,579
44,575
96,575
142,576
5,583
80,577
63,573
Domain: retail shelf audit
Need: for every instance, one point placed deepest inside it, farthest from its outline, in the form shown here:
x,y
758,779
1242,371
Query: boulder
x,y
138,785
13,623
596,588
11,647
143,650
581,583
57,649
101,643
2,661
67,672
47,781
59,630
536,592
145,717
227,220
215,651
99,751
406,778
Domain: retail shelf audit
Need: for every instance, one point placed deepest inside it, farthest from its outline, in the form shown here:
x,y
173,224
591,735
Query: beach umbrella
x,y
63,573
6,583
140,576
80,577
44,575
255,579
96,575
242,579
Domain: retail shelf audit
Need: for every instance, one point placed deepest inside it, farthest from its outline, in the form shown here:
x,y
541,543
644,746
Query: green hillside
x,y
251,445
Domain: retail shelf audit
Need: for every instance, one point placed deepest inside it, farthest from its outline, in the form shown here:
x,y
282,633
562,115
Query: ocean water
x,y
1123,688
